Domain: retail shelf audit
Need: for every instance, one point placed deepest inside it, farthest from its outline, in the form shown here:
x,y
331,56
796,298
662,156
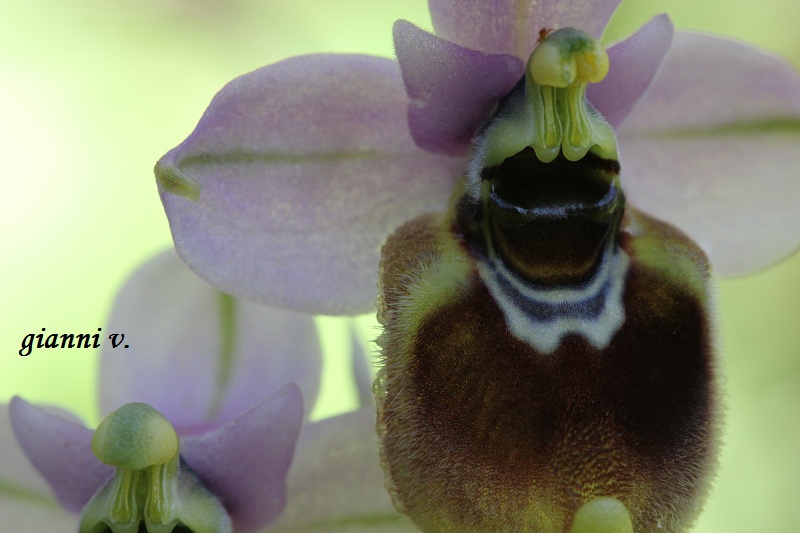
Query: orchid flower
x,y
225,383
299,171
547,348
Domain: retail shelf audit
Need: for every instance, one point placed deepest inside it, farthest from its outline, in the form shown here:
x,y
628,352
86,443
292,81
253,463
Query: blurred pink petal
x,y
634,64
336,482
27,501
60,450
245,462
177,358
712,148
512,26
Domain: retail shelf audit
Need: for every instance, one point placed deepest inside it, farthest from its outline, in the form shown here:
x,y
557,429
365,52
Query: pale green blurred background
x,y
92,92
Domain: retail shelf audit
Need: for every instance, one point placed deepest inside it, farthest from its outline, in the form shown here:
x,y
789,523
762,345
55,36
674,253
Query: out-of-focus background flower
x,y
93,92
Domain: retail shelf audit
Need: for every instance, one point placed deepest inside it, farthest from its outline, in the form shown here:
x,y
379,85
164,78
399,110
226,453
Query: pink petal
x,y
61,451
25,498
245,462
177,361
30,516
634,64
452,91
336,482
15,466
304,168
512,26
712,148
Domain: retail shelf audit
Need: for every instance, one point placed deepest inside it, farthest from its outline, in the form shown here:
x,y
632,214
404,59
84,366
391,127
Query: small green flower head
x,y
135,436
149,491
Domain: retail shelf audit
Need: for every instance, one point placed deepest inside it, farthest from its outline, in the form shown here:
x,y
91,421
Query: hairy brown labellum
x,y
544,346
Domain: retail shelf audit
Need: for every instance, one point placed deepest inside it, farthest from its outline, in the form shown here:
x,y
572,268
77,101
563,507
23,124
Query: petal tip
x,y
59,448
250,480
175,181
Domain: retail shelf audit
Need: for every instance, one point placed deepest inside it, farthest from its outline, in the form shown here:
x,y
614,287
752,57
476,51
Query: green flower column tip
x,y
556,117
149,485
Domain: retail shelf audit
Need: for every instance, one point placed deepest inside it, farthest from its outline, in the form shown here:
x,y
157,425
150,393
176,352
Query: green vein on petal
x,y
10,490
227,349
174,178
279,157
780,125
